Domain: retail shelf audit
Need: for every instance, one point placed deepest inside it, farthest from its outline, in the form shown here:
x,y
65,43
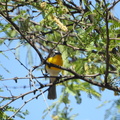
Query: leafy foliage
x,y
113,112
87,36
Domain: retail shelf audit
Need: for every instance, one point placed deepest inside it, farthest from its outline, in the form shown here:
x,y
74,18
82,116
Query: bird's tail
x,y
52,90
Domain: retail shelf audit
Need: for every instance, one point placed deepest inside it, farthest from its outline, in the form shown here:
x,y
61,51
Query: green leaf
x,y
4,68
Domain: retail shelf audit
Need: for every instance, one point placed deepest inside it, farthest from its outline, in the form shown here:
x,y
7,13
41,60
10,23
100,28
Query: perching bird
x,y
56,59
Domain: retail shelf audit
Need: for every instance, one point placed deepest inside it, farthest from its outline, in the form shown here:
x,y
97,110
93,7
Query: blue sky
x,y
87,109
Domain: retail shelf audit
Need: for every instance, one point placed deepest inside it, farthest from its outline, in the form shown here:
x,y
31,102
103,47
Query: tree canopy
x,y
85,32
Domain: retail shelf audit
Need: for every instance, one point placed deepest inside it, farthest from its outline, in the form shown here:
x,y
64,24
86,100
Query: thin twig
x,y
16,57
25,104
113,5
33,84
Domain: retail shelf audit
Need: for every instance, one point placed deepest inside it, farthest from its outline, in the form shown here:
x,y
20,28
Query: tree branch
x,y
107,44
23,36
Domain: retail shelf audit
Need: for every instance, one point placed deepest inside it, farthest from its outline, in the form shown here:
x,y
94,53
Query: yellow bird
x,y
56,59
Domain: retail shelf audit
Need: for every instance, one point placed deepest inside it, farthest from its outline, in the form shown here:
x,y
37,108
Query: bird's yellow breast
x,y
57,60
